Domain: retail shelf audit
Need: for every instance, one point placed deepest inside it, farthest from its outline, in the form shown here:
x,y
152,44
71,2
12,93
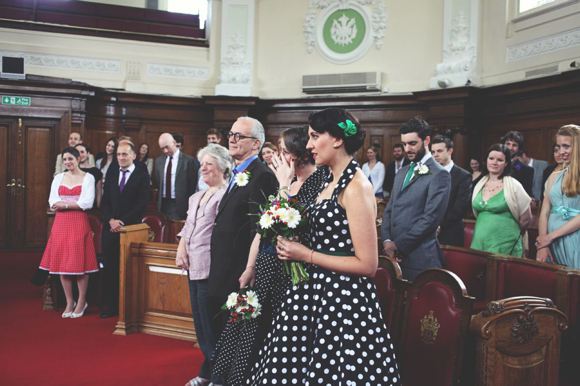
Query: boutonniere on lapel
x,y
242,178
420,170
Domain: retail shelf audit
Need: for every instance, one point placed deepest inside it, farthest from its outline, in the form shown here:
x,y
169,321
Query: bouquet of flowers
x,y
243,305
284,217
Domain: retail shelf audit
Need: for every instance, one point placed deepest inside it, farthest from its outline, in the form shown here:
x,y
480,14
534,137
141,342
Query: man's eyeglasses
x,y
238,136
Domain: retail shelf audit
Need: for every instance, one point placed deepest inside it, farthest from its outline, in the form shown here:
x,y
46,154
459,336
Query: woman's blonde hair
x,y
571,184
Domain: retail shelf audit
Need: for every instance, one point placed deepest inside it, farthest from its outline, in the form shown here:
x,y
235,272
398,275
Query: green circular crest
x,y
344,31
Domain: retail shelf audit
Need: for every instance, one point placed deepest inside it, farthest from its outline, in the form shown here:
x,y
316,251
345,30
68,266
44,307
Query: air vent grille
x,y
337,83
542,71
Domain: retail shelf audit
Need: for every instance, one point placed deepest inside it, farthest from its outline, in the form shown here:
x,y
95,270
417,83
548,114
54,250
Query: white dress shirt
x,y
175,159
399,165
449,166
130,171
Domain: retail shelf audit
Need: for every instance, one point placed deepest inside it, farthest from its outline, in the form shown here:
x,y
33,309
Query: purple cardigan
x,y
197,232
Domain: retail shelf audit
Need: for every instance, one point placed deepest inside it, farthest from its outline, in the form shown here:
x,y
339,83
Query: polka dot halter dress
x,y
239,343
328,331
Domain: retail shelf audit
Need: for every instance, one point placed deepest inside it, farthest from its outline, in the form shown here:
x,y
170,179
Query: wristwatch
x,y
66,206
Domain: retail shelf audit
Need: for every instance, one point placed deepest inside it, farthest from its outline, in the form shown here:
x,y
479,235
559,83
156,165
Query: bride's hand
x,y
283,169
291,250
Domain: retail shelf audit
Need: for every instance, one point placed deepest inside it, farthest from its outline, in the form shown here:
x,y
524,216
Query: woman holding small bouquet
x,y
329,330
300,180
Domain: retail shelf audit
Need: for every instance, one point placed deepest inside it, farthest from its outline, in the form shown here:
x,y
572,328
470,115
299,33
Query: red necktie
x,y
168,179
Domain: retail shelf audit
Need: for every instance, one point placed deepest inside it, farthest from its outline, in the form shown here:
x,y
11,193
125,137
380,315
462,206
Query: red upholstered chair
x,y
157,222
522,277
173,229
471,266
390,290
468,232
435,323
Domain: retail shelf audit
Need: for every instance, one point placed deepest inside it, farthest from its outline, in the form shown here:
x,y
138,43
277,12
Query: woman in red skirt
x,y
70,250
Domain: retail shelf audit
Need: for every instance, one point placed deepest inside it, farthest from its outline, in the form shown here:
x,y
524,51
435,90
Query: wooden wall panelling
x,y
44,129
37,171
6,192
227,109
379,115
535,107
449,112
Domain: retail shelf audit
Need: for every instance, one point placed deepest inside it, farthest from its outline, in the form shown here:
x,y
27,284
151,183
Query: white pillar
x,y
461,45
237,48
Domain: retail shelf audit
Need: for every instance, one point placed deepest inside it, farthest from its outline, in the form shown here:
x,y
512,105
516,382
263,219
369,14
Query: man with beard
x,y
417,205
514,141
394,167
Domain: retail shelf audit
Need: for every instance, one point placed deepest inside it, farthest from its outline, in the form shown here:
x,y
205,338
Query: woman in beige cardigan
x,y
501,206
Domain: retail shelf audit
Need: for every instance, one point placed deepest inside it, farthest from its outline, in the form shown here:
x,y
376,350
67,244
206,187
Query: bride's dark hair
x,y
328,121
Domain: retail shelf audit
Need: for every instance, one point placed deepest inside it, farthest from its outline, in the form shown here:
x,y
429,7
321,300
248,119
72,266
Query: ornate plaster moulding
x,y
337,35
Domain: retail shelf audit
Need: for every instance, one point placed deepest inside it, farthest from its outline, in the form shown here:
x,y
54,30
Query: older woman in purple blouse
x,y
193,252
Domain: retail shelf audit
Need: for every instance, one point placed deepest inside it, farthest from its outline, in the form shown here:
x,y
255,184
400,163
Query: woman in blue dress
x,y
559,222
329,330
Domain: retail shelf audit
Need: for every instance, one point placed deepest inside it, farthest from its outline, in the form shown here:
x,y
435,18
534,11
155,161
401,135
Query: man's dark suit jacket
x,y
127,206
459,203
235,228
390,175
115,165
185,181
524,174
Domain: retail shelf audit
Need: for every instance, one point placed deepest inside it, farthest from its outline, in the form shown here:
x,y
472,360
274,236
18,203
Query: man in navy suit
x,y
124,202
394,167
459,195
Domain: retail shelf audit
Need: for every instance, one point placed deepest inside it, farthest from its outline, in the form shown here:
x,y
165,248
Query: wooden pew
x,y
434,327
518,342
391,288
471,267
153,292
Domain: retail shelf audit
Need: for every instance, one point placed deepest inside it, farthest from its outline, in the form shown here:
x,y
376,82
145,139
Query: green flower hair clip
x,y
348,127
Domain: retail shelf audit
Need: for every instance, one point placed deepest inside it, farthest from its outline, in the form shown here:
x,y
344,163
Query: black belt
x,y
168,199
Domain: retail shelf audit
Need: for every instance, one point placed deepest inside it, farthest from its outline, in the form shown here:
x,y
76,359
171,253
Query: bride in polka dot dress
x,y
329,331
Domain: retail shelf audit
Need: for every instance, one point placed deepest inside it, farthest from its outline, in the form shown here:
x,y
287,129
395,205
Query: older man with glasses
x,y
235,227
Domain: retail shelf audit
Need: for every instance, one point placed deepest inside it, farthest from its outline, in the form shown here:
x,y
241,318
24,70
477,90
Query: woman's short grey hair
x,y
257,129
221,155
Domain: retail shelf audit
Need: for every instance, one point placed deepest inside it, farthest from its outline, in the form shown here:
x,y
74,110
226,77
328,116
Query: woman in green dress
x,y
501,206
559,221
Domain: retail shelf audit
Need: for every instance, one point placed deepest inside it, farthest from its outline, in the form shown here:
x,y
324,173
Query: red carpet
x,y
40,348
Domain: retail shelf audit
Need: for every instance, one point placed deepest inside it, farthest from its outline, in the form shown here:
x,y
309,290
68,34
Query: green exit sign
x,y
15,100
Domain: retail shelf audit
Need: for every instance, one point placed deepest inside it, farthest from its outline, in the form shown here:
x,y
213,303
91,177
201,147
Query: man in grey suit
x,y
417,205
539,167
176,174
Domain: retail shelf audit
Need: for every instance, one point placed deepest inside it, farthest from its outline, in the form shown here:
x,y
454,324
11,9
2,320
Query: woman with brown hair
x,y
559,220
501,207
268,151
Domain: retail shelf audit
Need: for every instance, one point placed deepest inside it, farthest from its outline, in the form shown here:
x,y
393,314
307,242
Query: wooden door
x,y
28,169
7,188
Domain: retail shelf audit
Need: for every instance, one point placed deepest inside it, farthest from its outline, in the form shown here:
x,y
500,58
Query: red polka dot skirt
x,y
70,249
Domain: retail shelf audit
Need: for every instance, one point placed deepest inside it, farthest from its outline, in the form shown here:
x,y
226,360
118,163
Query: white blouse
x,y
86,198
377,175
